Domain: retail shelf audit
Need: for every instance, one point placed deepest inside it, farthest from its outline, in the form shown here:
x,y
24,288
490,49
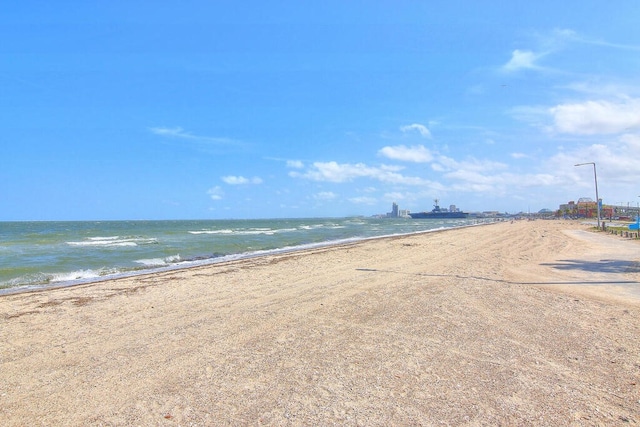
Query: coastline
x,y
37,255
213,260
523,323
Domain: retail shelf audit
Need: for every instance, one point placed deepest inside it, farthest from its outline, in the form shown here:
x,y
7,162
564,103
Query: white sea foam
x,y
249,232
114,241
159,262
285,230
74,275
40,280
246,232
212,232
311,227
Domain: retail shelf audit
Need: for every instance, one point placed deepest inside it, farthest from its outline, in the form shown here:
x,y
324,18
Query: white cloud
x,y
241,180
347,172
573,36
471,164
565,33
335,172
487,180
421,129
216,193
416,154
176,132
363,200
295,164
476,177
325,195
596,117
617,166
395,196
486,176
546,44
603,89
534,114
522,59
496,184
179,133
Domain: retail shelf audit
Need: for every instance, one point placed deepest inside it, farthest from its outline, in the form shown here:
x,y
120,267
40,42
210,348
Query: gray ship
x,y
437,212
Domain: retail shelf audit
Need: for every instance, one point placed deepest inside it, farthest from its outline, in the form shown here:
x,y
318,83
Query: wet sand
x,y
524,323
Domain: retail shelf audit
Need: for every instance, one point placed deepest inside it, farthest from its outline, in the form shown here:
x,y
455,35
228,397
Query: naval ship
x,y
438,212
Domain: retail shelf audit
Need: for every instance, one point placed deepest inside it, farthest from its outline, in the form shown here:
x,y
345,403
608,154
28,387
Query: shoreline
x,y
239,257
523,323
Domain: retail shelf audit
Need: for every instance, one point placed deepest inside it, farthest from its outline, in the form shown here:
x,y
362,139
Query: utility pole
x,y
595,177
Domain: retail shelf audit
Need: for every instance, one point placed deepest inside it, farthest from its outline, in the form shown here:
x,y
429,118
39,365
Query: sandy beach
x,y
524,323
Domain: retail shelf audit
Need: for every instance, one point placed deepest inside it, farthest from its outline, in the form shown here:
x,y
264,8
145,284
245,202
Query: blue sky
x,y
256,109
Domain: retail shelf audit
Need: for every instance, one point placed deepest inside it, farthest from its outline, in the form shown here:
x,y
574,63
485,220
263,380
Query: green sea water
x,y
36,254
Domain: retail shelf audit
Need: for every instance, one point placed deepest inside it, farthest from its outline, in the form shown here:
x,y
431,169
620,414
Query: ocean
x,y
43,254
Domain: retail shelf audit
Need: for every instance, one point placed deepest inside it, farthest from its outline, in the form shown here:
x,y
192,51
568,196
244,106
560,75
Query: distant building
x,y
568,209
394,211
586,208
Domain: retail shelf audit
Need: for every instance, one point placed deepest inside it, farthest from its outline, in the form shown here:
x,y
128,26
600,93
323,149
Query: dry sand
x,y
530,323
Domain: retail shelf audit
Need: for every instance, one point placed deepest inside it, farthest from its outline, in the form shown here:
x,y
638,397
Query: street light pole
x,y
595,177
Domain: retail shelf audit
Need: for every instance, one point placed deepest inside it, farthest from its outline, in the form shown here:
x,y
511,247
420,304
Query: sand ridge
x,y
518,323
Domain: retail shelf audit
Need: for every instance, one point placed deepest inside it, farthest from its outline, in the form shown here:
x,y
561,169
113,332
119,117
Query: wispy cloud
x,y
176,132
573,36
180,133
522,60
603,89
552,42
325,195
416,154
241,180
544,44
295,164
621,46
363,200
471,164
416,127
216,193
